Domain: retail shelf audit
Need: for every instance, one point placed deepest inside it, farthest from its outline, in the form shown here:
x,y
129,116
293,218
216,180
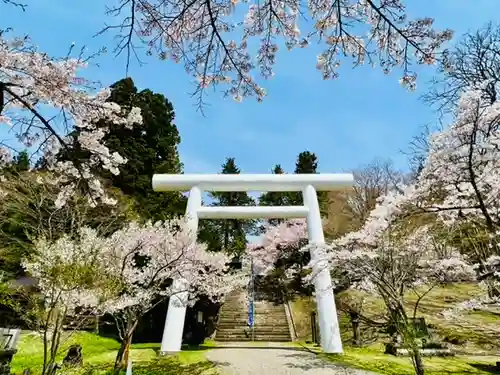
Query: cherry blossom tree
x,y
125,275
463,162
460,179
280,262
69,273
42,99
28,212
215,40
390,257
142,260
275,241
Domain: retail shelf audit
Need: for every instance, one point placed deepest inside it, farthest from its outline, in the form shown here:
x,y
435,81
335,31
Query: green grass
x,y
469,330
301,310
474,330
372,359
99,354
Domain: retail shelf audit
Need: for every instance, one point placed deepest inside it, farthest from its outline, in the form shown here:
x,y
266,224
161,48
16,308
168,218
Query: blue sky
x,y
347,122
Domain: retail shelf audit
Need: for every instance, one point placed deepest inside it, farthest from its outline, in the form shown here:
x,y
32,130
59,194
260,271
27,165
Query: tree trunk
x,y
356,333
406,329
52,340
226,236
418,363
493,290
123,353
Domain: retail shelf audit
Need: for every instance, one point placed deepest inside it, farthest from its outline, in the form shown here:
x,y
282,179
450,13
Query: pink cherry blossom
x,y
287,234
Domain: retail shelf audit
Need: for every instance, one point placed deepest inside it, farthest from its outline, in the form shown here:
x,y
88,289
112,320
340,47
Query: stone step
x,y
249,334
265,327
232,323
257,328
256,311
244,310
270,319
255,338
256,316
259,332
260,319
262,322
262,310
262,336
229,340
256,308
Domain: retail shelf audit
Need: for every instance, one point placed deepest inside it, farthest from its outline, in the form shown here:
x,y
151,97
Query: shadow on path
x,y
307,362
276,361
492,369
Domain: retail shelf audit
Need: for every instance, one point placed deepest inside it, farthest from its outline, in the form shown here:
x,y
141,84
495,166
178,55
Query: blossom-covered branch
x,y
214,39
43,99
289,236
463,164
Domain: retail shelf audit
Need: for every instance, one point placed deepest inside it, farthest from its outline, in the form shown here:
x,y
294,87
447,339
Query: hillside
x,y
475,336
475,332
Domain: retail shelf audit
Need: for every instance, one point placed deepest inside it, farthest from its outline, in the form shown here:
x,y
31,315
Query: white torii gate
x,y
308,184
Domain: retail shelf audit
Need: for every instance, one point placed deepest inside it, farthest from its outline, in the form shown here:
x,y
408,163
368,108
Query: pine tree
x,y
307,162
228,235
275,198
20,163
276,283
149,148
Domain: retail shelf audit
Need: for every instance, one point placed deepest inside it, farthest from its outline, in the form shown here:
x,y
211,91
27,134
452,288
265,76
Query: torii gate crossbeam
x,y
308,184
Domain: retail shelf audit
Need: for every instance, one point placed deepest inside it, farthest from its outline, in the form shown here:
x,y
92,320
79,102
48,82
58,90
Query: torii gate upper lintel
x,y
308,184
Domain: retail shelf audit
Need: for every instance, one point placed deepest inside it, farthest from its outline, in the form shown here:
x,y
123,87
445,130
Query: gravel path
x,y
274,361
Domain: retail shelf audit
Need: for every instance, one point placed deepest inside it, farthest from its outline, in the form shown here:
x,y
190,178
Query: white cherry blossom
x,y
43,99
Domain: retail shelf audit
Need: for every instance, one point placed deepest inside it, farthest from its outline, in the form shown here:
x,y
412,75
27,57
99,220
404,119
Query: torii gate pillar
x,y
308,184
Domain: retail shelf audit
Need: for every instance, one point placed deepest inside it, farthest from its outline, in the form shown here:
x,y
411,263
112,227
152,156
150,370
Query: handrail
x,y
287,306
290,313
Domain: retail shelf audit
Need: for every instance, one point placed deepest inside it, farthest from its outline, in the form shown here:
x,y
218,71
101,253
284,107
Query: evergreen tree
x,y
275,198
20,163
149,148
276,284
228,235
307,162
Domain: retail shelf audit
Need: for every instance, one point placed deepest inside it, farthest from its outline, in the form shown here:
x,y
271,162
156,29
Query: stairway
x,y
270,325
